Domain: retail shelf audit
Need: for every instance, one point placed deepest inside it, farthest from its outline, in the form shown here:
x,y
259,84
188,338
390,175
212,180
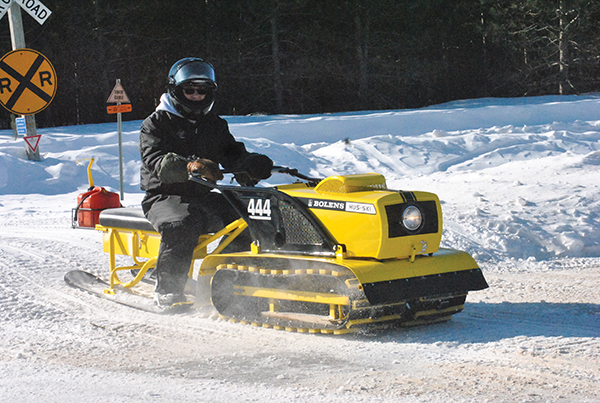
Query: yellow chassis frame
x,y
142,244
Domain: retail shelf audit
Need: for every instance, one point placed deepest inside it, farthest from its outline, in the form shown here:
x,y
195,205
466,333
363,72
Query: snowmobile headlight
x,y
412,218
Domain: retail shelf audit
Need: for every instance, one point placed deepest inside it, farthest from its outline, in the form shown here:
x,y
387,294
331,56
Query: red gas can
x,y
92,202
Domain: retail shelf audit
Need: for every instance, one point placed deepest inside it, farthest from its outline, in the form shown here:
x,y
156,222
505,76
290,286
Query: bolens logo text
x,y
351,207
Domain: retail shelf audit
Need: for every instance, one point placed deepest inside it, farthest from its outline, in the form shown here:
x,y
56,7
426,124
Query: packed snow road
x,y
534,335
519,184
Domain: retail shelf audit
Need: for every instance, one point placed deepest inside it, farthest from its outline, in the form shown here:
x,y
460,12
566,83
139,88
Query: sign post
x,y
119,96
40,13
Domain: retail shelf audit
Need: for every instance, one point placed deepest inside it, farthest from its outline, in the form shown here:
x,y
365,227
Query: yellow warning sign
x,y
27,81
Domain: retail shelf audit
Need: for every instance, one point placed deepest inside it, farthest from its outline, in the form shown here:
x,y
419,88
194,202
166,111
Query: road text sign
x,y
34,8
27,81
4,6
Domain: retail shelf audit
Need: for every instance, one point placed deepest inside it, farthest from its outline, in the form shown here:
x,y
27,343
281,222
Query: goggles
x,y
196,90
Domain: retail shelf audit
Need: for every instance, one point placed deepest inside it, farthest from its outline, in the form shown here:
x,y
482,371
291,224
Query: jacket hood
x,y
167,105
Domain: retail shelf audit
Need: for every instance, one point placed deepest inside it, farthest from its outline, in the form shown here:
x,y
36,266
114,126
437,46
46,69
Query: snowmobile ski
x,y
96,286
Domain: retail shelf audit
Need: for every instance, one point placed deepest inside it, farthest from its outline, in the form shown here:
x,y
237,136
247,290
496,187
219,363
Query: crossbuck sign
x,y
24,72
34,8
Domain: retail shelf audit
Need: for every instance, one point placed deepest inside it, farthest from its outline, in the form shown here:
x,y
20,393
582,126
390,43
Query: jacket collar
x,y
167,105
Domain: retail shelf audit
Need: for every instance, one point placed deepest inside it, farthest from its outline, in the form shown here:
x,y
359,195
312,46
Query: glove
x,y
205,168
245,180
258,166
173,169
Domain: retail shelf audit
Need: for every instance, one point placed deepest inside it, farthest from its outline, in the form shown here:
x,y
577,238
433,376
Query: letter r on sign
x,y
5,83
45,76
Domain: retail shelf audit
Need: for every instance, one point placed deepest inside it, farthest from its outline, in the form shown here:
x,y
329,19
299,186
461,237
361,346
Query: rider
x,y
184,136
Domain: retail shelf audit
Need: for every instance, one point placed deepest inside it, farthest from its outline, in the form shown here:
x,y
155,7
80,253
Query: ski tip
x,y
81,279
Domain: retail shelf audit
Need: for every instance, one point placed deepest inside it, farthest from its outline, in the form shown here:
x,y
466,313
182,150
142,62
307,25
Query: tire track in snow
x,y
32,282
37,255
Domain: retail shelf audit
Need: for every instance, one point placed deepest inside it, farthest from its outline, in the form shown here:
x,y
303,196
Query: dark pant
x,y
180,222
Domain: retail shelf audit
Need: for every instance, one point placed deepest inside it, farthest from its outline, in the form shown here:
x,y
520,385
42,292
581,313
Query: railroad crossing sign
x,y
40,13
27,81
34,8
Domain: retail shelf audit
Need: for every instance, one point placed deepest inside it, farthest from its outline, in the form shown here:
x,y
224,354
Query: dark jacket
x,y
164,132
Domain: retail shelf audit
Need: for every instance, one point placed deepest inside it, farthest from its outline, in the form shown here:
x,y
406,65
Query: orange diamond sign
x,y
27,81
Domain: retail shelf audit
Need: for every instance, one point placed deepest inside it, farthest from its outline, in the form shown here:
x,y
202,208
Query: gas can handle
x,y
89,171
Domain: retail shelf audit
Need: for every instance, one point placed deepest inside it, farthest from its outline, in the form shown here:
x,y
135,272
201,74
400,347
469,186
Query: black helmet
x,y
197,72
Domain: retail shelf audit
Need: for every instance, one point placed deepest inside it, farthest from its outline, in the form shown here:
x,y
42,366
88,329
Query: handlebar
x,y
294,172
276,169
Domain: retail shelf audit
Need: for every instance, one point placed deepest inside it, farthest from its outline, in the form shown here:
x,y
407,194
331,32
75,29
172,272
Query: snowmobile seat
x,y
125,217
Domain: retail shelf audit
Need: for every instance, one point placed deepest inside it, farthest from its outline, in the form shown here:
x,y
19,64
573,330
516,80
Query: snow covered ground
x,y
519,180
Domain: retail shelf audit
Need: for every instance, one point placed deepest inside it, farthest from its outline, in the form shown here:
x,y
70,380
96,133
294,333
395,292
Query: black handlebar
x,y
276,169
282,170
294,172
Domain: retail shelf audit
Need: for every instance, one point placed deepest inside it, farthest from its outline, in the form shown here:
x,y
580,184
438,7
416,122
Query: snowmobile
x,y
331,255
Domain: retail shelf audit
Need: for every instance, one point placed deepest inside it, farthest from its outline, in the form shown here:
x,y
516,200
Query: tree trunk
x,y
564,86
276,58
362,54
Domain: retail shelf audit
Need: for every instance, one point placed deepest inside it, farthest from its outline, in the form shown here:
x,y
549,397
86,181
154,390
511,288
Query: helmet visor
x,y
197,72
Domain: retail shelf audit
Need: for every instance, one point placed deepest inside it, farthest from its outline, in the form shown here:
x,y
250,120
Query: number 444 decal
x,y
259,209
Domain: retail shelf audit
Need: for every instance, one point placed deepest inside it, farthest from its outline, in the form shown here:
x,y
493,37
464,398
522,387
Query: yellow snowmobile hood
x,y
362,214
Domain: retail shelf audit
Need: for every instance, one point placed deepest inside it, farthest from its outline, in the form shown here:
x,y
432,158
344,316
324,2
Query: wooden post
x,y
17,37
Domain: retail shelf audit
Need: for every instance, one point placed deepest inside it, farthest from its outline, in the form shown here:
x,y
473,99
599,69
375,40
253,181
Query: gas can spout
x,y
89,171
